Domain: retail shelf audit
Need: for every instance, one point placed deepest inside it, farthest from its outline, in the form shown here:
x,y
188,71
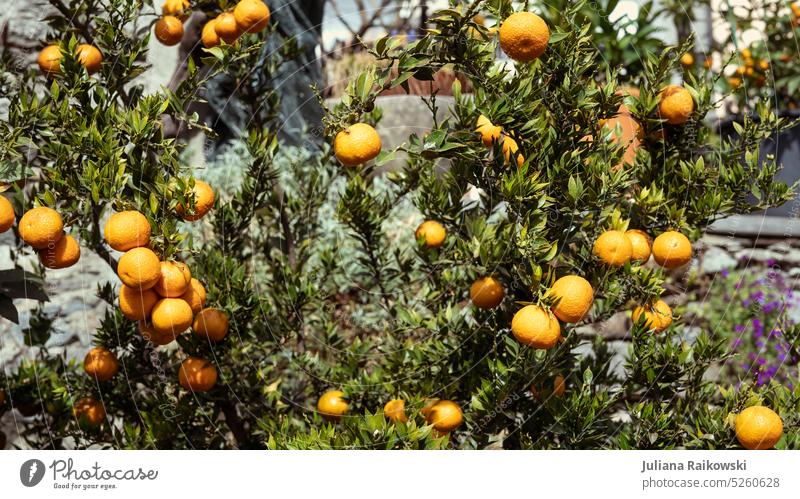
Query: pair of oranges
x,y
89,56
43,229
491,133
444,415
537,327
248,16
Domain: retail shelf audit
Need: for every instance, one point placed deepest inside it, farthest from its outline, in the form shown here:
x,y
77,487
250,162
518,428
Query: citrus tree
x,y
296,312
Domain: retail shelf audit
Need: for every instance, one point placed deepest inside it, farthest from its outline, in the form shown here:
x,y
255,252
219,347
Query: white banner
x,y
351,474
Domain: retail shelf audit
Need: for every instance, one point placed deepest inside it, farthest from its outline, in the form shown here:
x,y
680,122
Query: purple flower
x,y
771,262
725,273
739,328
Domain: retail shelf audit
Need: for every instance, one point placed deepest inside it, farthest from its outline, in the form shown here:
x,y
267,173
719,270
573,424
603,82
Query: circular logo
x,y
31,472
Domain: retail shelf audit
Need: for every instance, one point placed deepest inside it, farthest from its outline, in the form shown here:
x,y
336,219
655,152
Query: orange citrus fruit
x,y
640,244
226,28
177,8
559,386
100,364
197,375
486,292
211,323
675,104
89,57
445,416
574,295
41,227
126,230
613,248
89,412
657,316
672,249
332,405
524,36
195,295
171,315
209,34
357,144
687,59
50,59
169,30
136,304
150,334
432,232
758,428
64,253
252,16
536,327
174,279
7,216
510,147
395,411
489,133
139,268
629,136
203,202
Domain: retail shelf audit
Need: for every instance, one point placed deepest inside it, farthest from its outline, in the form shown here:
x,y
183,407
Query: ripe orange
x,y
433,232
195,295
758,428
510,147
524,36
211,323
559,386
486,292
209,35
203,202
536,327
672,249
332,405
630,136
197,375
357,144
763,64
445,416
89,412
139,268
489,133
127,230
675,105
64,253
177,8
150,334
640,244
395,411
735,82
7,216
50,60
226,28
687,59
613,248
171,315
174,279
574,295
90,57
657,316
708,62
136,304
252,16
100,364
41,227
169,30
